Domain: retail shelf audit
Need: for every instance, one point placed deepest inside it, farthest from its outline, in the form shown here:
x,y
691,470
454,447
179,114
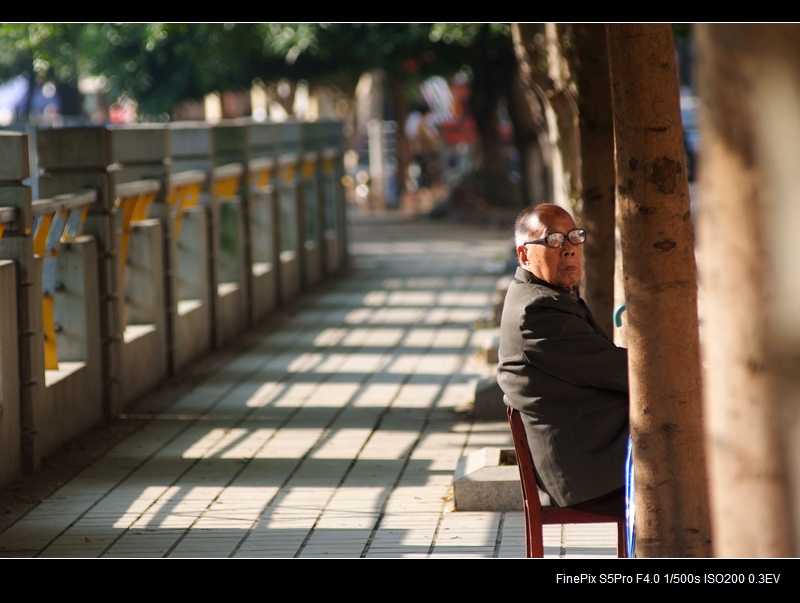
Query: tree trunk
x,y
483,106
565,105
597,163
532,138
524,110
27,107
749,83
661,294
558,105
492,79
399,92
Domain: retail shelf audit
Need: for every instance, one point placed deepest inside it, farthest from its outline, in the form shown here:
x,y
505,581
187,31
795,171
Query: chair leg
x,y
536,541
622,540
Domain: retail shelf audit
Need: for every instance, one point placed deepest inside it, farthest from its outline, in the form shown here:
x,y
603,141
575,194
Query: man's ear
x,y
522,254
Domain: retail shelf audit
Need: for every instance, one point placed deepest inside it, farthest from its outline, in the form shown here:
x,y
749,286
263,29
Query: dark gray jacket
x,y
570,382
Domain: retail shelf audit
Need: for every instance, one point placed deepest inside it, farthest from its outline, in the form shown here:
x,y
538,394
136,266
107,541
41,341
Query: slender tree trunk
x,y
562,98
658,256
749,86
27,107
492,80
526,117
484,102
401,106
558,105
597,162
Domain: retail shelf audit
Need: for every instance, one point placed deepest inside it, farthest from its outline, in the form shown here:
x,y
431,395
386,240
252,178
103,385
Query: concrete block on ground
x,y
490,345
482,483
499,297
489,405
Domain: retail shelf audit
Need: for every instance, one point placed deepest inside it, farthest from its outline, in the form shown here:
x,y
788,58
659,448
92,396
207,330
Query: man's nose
x,y
568,248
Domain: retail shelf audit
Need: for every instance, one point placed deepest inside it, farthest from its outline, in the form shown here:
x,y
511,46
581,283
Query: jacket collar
x,y
526,276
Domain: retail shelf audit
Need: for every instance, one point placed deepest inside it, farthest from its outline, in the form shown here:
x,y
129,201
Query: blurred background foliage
x,y
55,74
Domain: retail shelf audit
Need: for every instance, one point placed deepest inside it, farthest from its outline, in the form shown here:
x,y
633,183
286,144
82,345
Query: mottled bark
x,y
749,87
658,254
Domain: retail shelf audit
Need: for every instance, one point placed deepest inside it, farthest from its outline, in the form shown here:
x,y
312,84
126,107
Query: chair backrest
x,y
531,504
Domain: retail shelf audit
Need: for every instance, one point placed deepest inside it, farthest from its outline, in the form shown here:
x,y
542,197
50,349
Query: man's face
x,y
562,266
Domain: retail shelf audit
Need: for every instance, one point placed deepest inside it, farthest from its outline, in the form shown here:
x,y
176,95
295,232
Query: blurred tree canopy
x,y
40,51
162,64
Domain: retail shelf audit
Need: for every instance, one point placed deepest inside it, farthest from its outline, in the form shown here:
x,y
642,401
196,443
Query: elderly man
x,y
561,370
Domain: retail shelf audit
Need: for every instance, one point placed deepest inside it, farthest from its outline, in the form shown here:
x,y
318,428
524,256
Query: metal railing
x,y
184,192
225,179
56,221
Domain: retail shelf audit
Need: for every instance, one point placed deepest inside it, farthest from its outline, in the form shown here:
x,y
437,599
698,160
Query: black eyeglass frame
x,y
564,238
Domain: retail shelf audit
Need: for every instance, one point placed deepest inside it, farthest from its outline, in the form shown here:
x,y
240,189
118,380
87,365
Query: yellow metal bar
x,y
226,187
48,234
48,322
259,172
132,209
2,228
264,177
180,198
126,207
142,204
40,234
50,349
192,195
308,168
289,172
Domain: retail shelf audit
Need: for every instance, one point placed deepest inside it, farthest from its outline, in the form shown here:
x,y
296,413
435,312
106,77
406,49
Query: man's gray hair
x,y
528,224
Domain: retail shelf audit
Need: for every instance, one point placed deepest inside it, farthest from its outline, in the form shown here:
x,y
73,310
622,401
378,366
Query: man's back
x,y
570,382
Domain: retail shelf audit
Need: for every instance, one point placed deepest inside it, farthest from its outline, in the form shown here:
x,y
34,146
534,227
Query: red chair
x,y
537,515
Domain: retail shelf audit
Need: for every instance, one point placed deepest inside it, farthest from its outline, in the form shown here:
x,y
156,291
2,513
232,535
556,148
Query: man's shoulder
x,y
530,290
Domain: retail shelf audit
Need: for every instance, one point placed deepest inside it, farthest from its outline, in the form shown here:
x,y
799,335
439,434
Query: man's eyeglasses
x,y
576,236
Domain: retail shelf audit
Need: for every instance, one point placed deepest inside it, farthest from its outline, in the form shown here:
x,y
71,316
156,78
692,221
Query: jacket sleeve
x,y
561,343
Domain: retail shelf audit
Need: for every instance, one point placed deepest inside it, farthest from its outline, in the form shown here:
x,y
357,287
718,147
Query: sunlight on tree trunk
x,y
749,85
536,44
524,110
661,294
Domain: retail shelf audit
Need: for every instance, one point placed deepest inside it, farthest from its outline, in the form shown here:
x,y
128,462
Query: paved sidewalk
x,y
333,432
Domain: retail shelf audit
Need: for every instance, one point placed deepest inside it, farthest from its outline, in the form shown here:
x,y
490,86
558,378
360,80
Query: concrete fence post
x,y
291,219
139,153
21,338
262,218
